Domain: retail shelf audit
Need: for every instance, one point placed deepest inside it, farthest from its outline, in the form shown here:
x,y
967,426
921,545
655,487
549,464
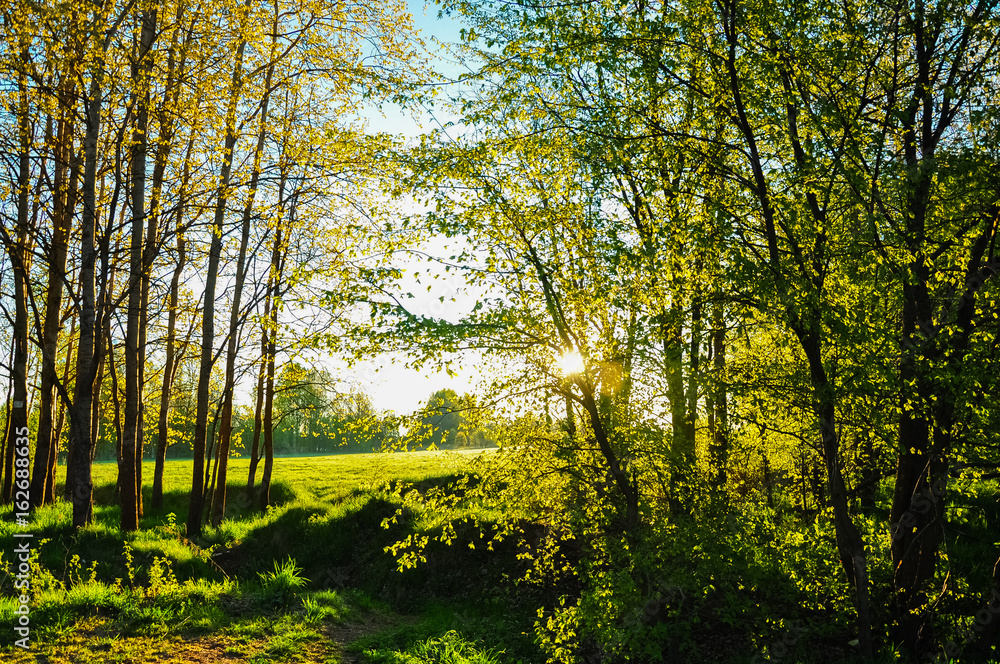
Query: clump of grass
x,y
324,605
279,586
287,640
449,648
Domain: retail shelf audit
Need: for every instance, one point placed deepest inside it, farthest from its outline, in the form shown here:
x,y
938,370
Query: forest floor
x,y
314,580
97,640
308,581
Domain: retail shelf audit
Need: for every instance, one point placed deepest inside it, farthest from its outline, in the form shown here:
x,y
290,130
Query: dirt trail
x,y
96,644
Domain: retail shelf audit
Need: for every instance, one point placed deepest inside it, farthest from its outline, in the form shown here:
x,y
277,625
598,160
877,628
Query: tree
x,y
18,248
766,144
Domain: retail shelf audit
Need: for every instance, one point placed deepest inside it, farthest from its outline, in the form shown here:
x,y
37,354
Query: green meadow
x,y
399,559
309,580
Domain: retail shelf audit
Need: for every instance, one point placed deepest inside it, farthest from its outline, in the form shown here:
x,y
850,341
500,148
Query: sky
x,y
386,379
437,34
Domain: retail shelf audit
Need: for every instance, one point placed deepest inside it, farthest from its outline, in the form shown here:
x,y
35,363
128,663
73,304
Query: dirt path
x,y
94,643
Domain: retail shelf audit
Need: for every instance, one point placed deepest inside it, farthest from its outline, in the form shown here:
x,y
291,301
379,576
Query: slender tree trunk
x,y
130,469
682,448
163,150
50,478
850,545
719,408
265,480
81,441
259,406
270,335
95,410
64,201
19,252
869,472
694,362
915,518
116,402
265,383
197,504
628,491
163,429
104,343
226,426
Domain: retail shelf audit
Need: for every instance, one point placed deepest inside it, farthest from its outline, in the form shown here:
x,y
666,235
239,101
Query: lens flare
x,y
571,362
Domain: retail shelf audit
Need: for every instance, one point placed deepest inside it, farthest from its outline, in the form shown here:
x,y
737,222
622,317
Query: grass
x,y
307,581
322,477
311,580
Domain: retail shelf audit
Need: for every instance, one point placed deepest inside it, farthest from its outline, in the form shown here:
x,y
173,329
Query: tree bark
x,y
719,409
169,369
78,465
64,201
277,262
62,408
130,469
197,504
164,147
259,405
19,253
226,424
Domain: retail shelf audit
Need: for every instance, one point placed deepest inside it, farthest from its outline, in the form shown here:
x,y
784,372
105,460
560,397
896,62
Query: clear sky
x,y
385,378
437,34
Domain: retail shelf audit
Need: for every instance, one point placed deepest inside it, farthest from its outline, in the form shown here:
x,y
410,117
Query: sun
x,y
571,362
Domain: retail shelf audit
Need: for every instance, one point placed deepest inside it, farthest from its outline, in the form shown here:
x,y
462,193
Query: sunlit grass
x,y
262,585
325,477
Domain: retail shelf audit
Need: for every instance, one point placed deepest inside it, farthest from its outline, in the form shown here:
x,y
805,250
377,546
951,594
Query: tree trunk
x,y
117,419
81,441
259,406
197,504
130,469
64,201
226,425
163,429
914,544
850,545
870,475
62,409
270,335
693,383
19,253
719,408
164,147
627,490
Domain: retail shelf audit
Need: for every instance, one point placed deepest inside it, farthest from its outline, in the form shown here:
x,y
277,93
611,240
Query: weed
x,y
449,648
279,586
324,605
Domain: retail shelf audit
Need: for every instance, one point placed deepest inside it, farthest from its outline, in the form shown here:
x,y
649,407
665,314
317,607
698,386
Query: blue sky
x,y
385,379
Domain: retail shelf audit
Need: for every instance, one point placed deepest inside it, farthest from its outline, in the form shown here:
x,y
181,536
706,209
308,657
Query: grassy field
x,y
315,578
322,477
307,581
